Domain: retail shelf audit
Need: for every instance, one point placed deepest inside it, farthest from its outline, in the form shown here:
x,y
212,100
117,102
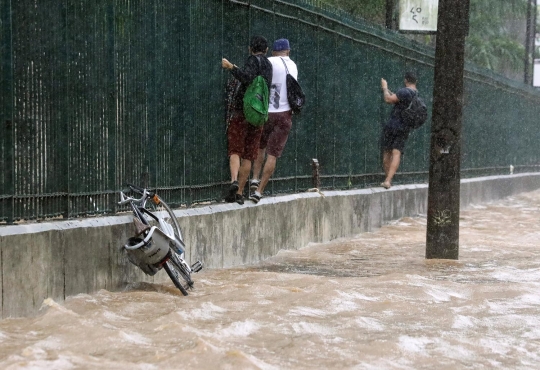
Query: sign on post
x,y
536,70
418,16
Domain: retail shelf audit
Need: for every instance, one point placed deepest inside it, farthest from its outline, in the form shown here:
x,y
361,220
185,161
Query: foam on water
x,y
259,364
303,327
208,311
464,322
134,338
49,302
370,324
307,311
112,316
356,295
514,275
60,363
237,329
414,344
343,305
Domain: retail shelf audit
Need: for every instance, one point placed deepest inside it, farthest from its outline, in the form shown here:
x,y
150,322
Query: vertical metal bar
x,y
64,132
7,108
189,171
111,105
149,74
38,121
152,101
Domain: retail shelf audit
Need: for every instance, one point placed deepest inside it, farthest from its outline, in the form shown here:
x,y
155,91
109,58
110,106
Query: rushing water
x,y
370,302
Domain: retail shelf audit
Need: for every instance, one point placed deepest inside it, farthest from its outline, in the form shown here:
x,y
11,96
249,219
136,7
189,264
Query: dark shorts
x,y
276,132
243,138
394,139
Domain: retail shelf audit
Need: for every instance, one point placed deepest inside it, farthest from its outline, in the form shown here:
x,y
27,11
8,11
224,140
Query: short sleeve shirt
x,y
405,96
278,90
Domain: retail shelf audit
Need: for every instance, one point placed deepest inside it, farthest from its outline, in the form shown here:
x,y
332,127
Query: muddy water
x,y
370,302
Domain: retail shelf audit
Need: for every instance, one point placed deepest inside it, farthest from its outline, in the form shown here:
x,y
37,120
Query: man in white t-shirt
x,y
276,129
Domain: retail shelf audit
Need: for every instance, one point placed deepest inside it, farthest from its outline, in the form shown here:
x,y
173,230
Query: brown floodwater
x,y
368,302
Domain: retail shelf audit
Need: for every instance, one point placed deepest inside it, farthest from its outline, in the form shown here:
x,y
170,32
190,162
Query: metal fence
x,y
99,93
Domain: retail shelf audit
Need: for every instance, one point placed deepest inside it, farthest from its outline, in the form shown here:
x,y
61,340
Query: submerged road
x,y
370,302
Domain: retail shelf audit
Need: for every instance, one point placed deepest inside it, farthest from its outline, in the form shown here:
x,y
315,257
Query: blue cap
x,y
281,44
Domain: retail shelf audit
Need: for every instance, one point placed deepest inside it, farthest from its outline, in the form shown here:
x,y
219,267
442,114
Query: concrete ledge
x,y
59,259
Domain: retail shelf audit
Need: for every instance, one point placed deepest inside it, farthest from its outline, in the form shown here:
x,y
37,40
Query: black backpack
x,y
415,115
295,95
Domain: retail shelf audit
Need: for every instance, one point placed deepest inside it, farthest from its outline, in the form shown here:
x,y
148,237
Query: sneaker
x,y
256,196
239,199
231,193
254,184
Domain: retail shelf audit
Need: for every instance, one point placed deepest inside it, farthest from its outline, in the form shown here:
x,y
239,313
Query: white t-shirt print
x,y
278,89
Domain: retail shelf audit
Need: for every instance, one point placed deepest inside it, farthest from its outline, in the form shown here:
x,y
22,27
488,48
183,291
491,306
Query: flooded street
x,y
369,302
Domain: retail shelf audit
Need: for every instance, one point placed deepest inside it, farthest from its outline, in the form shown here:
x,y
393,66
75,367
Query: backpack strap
x,y
285,64
414,95
259,63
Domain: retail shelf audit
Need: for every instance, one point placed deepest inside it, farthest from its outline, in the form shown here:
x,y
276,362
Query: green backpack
x,y
256,102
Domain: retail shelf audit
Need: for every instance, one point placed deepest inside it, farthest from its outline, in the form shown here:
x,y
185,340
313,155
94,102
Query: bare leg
x,y
258,164
387,159
394,165
243,175
234,165
268,170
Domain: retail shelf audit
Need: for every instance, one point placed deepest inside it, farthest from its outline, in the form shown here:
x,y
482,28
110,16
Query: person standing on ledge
x,y
244,138
395,131
276,130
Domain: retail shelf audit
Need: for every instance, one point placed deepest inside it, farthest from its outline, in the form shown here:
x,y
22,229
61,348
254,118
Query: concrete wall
x,y
60,259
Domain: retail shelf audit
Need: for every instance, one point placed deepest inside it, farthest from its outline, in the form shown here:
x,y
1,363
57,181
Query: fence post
x,y
316,177
6,112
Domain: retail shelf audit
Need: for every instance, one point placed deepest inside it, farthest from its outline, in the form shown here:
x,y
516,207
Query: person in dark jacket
x,y
244,138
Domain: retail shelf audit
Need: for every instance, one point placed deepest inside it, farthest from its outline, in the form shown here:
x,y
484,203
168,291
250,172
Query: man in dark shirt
x,y
244,138
396,132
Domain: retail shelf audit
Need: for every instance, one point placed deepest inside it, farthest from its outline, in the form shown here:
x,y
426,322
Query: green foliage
x,y
373,10
494,37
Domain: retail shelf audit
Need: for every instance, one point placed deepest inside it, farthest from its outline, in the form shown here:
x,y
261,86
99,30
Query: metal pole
x,y
389,14
533,34
527,59
7,126
442,239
